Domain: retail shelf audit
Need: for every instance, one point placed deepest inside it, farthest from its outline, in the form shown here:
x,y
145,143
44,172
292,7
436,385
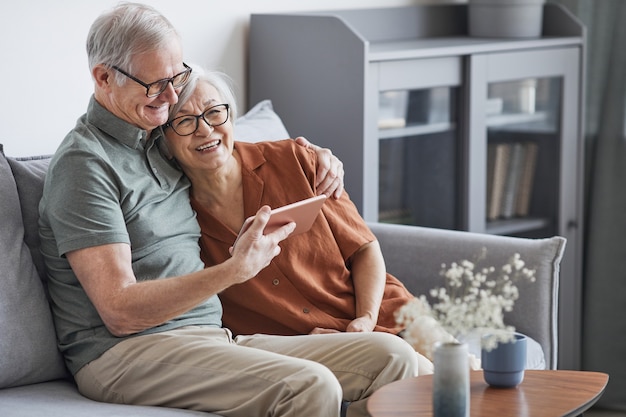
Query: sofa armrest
x,y
415,254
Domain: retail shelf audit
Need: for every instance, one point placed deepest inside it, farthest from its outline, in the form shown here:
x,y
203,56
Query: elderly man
x,y
137,315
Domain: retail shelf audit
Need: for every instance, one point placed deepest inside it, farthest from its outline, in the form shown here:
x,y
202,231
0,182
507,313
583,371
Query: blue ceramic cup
x,y
504,365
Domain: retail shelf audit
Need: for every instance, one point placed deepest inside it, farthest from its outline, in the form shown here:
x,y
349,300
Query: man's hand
x,y
255,250
329,170
128,306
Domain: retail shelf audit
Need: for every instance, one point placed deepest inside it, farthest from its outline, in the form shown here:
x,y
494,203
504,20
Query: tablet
x,y
303,213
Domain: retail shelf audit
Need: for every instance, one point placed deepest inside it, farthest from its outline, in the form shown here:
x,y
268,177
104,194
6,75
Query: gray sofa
x,y
33,378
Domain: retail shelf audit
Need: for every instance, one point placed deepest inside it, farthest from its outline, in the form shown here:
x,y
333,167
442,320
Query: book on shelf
x,y
512,181
526,181
500,154
392,123
491,162
510,178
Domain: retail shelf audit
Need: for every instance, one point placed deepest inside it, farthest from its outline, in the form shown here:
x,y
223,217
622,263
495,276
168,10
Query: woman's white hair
x,y
220,81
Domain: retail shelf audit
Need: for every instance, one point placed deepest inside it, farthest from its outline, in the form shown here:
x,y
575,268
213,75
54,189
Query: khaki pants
x,y
205,369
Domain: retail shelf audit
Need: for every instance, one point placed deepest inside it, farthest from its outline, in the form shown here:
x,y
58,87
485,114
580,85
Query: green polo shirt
x,y
107,183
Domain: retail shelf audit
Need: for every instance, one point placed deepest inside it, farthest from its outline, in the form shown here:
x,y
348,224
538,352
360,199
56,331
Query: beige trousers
x,y
205,369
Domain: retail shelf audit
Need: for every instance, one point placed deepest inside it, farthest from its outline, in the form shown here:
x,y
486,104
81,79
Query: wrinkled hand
x,y
329,170
254,250
361,324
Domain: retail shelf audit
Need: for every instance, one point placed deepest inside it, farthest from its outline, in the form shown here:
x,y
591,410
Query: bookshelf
x,y
437,128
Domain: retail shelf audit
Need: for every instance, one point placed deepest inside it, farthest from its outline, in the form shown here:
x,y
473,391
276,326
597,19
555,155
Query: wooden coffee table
x,y
541,394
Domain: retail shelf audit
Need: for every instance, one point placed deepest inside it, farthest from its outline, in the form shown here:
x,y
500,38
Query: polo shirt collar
x,y
124,132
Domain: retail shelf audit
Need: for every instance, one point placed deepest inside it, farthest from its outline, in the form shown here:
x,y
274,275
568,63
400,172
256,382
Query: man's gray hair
x,y
126,30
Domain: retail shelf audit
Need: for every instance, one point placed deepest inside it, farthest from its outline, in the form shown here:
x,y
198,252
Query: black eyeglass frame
x,y
165,81
198,117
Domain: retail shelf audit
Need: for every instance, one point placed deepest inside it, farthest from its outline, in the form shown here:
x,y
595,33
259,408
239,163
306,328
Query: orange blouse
x,y
309,284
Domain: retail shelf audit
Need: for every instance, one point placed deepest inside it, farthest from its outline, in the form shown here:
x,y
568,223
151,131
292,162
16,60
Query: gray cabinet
x,y
437,128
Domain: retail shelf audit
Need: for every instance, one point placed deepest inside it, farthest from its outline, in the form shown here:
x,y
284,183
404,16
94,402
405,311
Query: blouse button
x,y
276,281
305,310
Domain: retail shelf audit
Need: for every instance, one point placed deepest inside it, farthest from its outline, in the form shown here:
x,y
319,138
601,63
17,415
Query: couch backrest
x,y
28,349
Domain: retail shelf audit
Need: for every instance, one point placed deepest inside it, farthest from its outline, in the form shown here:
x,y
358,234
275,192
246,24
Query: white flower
x,y
468,301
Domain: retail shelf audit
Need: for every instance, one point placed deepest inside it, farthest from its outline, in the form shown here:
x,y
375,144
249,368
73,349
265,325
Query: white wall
x,y
44,76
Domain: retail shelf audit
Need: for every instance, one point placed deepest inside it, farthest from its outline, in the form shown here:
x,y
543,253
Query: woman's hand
x,y
329,170
361,324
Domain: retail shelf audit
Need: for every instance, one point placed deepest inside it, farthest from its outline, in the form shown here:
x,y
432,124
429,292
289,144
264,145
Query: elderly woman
x,y
330,279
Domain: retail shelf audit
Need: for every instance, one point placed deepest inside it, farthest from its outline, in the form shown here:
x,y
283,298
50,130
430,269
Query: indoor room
x,y
507,125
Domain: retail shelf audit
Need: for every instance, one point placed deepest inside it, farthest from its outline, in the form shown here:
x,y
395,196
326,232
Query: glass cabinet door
x,y
418,157
523,136
522,141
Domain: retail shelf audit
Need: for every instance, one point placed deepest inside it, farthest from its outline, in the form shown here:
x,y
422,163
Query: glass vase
x,y
451,382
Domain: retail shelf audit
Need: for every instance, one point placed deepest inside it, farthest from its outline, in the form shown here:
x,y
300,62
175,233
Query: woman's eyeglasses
x,y
188,124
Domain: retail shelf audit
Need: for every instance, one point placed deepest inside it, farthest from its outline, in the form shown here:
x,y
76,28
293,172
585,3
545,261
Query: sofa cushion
x,y
28,351
61,399
29,174
535,358
260,123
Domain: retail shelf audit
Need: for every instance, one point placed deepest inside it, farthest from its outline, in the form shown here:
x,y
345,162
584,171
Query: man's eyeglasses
x,y
188,124
157,87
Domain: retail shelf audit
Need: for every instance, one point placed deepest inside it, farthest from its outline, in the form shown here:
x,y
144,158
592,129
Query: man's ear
x,y
102,76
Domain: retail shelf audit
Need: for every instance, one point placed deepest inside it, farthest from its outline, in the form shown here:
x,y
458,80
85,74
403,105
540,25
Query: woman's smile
x,y
209,145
